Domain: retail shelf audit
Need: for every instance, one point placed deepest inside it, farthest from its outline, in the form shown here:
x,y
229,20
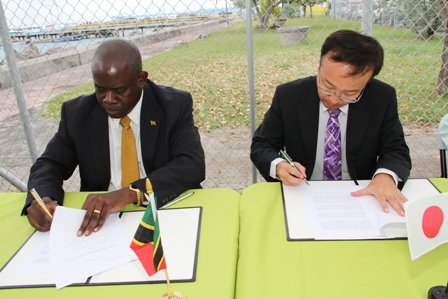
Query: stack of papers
x,y
327,211
60,258
75,258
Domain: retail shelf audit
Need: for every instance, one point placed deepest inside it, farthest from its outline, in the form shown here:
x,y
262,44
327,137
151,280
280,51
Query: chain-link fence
x,y
206,48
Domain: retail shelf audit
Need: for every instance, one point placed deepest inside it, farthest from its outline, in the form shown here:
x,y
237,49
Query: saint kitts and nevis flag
x,y
147,243
426,223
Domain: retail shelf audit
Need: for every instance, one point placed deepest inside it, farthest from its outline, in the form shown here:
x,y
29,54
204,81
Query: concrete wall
x,y
39,67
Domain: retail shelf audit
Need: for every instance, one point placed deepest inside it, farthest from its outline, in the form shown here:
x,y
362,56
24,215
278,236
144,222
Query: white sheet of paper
x,y
38,261
413,189
179,230
332,213
74,258
297,227
390,224
26,268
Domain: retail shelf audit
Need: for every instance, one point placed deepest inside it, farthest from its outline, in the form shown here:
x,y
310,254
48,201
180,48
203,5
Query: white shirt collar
x,y
344,109
134,115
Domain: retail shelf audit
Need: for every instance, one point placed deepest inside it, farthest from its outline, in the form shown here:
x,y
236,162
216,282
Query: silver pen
x,y
289,160
177,200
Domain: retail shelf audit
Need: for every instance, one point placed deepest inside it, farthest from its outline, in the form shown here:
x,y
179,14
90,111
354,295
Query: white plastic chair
x,y
443,143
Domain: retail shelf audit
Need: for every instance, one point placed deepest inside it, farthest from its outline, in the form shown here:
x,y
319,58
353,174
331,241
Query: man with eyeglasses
x,y
339,125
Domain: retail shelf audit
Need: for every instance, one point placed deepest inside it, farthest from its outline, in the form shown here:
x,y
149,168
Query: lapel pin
x,y
153,123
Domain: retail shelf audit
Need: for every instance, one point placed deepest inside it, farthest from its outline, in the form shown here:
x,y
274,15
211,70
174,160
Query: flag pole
x,y
171,294
170,291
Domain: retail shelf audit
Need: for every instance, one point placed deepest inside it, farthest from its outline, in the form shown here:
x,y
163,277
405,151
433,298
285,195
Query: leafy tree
x,y
421,16
268,8
265,4
289,10
241,4
310,4
267,11
425,17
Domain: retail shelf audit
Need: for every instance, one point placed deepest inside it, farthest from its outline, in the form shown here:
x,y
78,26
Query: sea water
x,y
44,47
79,44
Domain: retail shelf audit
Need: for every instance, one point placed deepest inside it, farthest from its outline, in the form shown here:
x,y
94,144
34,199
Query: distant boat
x,y
13,33
68,38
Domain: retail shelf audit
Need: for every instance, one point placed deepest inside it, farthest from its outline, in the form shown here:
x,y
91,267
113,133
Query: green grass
x,y
53,107
214,70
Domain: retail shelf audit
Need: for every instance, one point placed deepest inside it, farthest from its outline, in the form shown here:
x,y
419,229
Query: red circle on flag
x,y
432,221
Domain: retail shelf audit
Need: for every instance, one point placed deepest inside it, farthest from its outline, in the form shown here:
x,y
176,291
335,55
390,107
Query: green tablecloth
x,y
271,267
440,183
218,247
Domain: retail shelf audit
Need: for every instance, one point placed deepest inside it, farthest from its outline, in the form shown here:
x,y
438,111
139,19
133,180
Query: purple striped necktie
x,y
332,148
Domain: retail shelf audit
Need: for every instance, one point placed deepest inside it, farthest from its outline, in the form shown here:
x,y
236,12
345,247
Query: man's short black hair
x,y
363,53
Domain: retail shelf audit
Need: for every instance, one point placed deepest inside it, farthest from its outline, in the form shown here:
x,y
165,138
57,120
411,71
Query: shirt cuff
x,y
145,200
389,172
273,169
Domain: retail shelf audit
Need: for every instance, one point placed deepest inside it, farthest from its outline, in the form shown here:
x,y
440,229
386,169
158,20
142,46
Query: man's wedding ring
x,y
97,211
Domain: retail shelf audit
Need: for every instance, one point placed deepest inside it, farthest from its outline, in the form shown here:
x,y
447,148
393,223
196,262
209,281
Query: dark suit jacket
x,y
374,136
171,149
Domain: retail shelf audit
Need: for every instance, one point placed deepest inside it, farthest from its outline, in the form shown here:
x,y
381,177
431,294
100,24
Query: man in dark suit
x,y
167,143
371,139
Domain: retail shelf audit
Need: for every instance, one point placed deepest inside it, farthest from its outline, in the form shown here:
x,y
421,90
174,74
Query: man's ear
x,y
142,78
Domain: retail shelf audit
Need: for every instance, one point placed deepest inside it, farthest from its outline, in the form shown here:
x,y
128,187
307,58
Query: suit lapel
x,y
98,132
356,125
309,125
150,123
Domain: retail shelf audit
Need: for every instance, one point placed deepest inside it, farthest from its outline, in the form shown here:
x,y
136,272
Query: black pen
x,y
289,160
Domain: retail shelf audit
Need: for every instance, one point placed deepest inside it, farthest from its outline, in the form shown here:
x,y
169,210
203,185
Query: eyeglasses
x,y
344,98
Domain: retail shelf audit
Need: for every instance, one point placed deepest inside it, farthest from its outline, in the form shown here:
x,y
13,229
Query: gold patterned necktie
x,y
129,161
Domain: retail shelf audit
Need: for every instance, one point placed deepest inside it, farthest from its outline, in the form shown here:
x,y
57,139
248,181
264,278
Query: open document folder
x,y
325,210
58,260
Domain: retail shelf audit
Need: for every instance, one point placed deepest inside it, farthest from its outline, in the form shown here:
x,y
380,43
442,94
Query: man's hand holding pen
x,y
38,217
290,175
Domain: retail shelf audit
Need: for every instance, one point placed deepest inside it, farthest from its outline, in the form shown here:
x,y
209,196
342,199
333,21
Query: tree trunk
x,y
257,9
442,81
264,19
427,32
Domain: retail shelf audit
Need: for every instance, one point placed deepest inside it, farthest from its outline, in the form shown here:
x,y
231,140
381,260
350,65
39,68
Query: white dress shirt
x,y
317,174
115,145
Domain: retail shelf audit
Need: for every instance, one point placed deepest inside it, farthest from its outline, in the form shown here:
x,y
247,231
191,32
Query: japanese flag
x,y
426,223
